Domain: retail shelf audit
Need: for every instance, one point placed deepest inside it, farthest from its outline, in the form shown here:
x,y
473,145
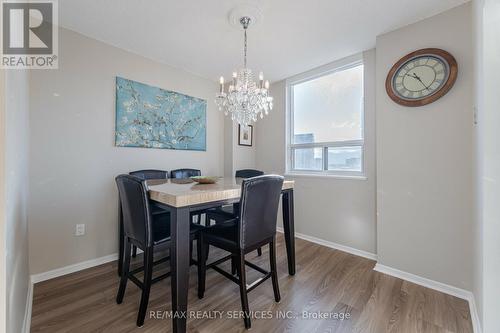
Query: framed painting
x,y
151,117
245,135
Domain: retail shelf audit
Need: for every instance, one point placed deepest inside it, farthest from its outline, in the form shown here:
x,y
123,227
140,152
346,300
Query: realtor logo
x,y
29,34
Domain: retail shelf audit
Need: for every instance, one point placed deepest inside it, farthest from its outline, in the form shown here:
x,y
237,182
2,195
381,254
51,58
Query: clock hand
x,y
414,76
420,80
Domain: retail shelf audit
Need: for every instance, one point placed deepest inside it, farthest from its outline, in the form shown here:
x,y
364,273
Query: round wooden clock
x,y
421,77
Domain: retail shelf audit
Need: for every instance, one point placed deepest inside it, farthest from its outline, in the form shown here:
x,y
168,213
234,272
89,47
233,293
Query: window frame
x,y
316,73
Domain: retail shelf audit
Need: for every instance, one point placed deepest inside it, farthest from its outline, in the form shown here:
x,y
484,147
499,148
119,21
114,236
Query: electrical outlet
x,y
80,230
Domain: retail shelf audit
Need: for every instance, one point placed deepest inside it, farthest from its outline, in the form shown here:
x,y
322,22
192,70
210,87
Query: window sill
x,y
325,175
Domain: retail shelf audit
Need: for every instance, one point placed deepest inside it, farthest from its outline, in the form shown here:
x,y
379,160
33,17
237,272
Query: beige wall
x,y
477,286
243,156
73,157
16,190
236,157
335,210
425,188
489,153
3,268
16,170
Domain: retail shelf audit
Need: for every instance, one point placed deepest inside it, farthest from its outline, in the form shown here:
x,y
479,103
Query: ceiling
x,y
195,35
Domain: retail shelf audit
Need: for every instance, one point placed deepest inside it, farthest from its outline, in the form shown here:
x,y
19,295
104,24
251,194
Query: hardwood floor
x,y
327,281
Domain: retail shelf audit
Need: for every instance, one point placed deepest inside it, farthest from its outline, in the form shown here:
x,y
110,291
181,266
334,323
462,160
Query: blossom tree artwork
x,y
152,117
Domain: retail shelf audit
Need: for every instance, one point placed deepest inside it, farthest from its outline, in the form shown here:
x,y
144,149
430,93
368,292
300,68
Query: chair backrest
x,y
258,209
184,173
248,173
150,174
137,219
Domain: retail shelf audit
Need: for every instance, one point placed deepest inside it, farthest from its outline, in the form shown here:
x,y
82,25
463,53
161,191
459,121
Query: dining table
x,y
181,197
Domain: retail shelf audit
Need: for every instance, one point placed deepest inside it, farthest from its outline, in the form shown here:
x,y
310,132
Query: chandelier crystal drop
x,y
245,99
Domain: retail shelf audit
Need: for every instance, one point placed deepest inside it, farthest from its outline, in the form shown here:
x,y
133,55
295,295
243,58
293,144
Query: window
x,y
325,121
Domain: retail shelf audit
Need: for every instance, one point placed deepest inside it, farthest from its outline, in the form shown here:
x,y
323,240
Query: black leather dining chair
x,y
220,214
254,227
184,173
146,231
148,174
228,212
248,173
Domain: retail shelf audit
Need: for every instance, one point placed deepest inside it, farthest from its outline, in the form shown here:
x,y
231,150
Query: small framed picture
x,y
245,134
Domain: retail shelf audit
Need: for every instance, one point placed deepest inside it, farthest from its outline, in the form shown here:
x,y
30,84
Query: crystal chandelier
x,y
245,99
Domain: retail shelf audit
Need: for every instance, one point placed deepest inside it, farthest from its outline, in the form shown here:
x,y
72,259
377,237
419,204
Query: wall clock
x,y
421,77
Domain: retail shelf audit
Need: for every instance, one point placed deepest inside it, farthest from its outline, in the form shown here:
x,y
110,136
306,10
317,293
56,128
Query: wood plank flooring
x,y
327,282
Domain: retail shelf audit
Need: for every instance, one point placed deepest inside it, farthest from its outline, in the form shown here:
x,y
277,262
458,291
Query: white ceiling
x,y
292,37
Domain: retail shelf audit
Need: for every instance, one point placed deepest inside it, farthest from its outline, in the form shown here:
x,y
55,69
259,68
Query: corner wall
x,y
425,186
16,196
477,288
3,264
237,157
489,157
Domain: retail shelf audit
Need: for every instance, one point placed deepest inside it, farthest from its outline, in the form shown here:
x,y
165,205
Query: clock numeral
x,y
438,67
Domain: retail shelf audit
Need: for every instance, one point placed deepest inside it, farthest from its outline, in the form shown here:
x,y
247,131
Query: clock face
x,y
420,77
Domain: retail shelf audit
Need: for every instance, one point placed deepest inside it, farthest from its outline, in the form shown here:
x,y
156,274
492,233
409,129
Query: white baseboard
x,y
442,287
35,278
29,306
336,246
476,323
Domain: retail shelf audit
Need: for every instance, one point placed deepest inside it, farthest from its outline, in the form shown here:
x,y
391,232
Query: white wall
x,y
3,264
236,157
16,190
425,187
477,286
243,156
336,210
489,153
73,157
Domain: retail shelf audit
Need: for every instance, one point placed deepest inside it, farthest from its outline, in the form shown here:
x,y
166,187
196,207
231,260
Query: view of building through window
x,y
327,118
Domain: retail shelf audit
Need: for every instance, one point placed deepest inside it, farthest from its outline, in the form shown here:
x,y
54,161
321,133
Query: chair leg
x,y
243,290
148,274
124,272
259,251
202,249
191,252
234,265
134,251
274,273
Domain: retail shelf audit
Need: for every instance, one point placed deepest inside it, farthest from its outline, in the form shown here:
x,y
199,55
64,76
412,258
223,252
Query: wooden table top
x,y
185,192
